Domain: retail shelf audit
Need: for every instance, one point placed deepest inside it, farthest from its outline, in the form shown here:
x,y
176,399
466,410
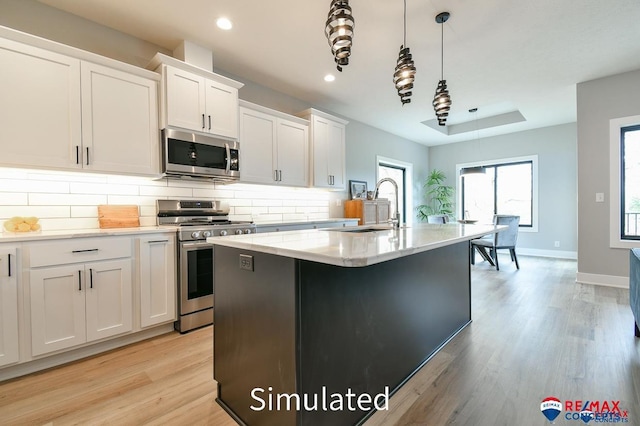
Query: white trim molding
x,y
556,254
615,231
602,280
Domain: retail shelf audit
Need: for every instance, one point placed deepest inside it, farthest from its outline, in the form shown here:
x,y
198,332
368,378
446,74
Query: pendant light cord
x,y
405,23
442,51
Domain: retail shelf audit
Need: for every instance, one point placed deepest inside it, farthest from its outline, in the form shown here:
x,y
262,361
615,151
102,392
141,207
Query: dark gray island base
x,y
295,326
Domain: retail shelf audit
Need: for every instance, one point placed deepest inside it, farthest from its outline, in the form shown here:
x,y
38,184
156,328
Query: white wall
x,y
598,102
69,200
557,186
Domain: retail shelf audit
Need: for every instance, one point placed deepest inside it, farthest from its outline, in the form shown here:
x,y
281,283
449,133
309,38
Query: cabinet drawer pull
x,y
157,241
91,277
202,121
79,281
83,251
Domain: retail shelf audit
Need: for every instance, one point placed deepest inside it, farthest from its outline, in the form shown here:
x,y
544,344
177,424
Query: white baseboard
x,y
604,280
29,367
558,254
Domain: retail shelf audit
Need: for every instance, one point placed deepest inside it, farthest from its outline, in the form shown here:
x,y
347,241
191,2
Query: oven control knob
x,y
238,231
206,234
223,233
247,231
195,234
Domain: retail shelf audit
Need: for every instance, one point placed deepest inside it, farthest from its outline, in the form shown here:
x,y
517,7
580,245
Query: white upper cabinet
x,y
64,112
119,121
258,162
196,99
185,93
275,147
327,149
221,109
293,153
40,110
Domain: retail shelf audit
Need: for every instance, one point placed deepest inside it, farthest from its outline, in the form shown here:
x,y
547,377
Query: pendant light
x,y
442,100
474,169
339,31
405,72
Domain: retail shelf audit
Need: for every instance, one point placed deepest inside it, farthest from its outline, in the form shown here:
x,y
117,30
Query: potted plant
x,y
439,196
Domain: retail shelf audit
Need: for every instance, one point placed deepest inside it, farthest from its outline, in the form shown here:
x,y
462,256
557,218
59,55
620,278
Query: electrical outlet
x,y
338,202
599,197
246,262
556,244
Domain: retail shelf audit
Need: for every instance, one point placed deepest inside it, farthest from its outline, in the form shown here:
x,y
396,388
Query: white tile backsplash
x,y
69,200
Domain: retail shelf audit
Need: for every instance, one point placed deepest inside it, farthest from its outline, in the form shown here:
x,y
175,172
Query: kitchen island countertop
x,y
357,246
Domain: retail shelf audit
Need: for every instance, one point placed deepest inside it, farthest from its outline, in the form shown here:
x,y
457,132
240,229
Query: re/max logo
x,y
595,406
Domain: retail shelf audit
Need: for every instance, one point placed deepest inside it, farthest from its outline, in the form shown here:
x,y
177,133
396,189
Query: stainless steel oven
x,y
197,220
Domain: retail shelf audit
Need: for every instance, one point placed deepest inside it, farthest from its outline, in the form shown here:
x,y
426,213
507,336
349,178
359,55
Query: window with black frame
x,y
505,188
630,188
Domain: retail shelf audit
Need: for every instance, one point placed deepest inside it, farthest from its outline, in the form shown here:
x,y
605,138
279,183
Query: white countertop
x,y
355,249
6,237
301,221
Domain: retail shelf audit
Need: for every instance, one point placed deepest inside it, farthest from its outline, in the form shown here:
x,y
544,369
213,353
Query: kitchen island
x,y
334,321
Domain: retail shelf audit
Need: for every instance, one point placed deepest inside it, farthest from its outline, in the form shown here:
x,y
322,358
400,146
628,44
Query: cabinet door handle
x,y
87,156
91,277
77,154
275,175
279,175
79,280
9,264
83,251
209,122
203,121
157,241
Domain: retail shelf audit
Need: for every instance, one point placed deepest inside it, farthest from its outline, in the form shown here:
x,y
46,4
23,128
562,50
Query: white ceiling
x,y
499,55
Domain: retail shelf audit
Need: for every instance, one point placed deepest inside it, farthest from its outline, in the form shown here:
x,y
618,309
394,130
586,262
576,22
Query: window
x,y
401,172
624,169
386,191
630,177
504,188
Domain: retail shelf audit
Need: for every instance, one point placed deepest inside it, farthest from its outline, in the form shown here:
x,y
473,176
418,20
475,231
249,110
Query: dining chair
x,y
505,239
437,218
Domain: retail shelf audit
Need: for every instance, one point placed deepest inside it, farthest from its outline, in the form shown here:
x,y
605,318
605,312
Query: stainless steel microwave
x,y
194,155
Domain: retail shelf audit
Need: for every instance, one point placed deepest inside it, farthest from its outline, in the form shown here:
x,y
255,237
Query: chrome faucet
x,y
396,221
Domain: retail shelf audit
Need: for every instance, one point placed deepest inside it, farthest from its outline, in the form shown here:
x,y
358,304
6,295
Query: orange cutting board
x,y
118,216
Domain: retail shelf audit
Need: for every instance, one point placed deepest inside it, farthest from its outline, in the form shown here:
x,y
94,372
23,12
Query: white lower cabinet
x,y
87,299
156,256
9,348
75,304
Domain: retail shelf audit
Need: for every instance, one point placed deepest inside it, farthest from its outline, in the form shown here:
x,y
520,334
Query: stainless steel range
x,y
197,220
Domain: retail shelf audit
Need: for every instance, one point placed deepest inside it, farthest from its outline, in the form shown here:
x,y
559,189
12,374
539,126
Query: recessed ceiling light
x,y
329,77
224,24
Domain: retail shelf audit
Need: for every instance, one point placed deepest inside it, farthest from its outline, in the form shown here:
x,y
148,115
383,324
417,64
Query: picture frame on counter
x,y
358,189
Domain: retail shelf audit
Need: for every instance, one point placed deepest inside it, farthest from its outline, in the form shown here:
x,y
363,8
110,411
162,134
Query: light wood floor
x,y
535,333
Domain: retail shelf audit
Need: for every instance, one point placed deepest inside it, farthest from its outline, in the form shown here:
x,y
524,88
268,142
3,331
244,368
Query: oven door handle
x,y
197,244
228,150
